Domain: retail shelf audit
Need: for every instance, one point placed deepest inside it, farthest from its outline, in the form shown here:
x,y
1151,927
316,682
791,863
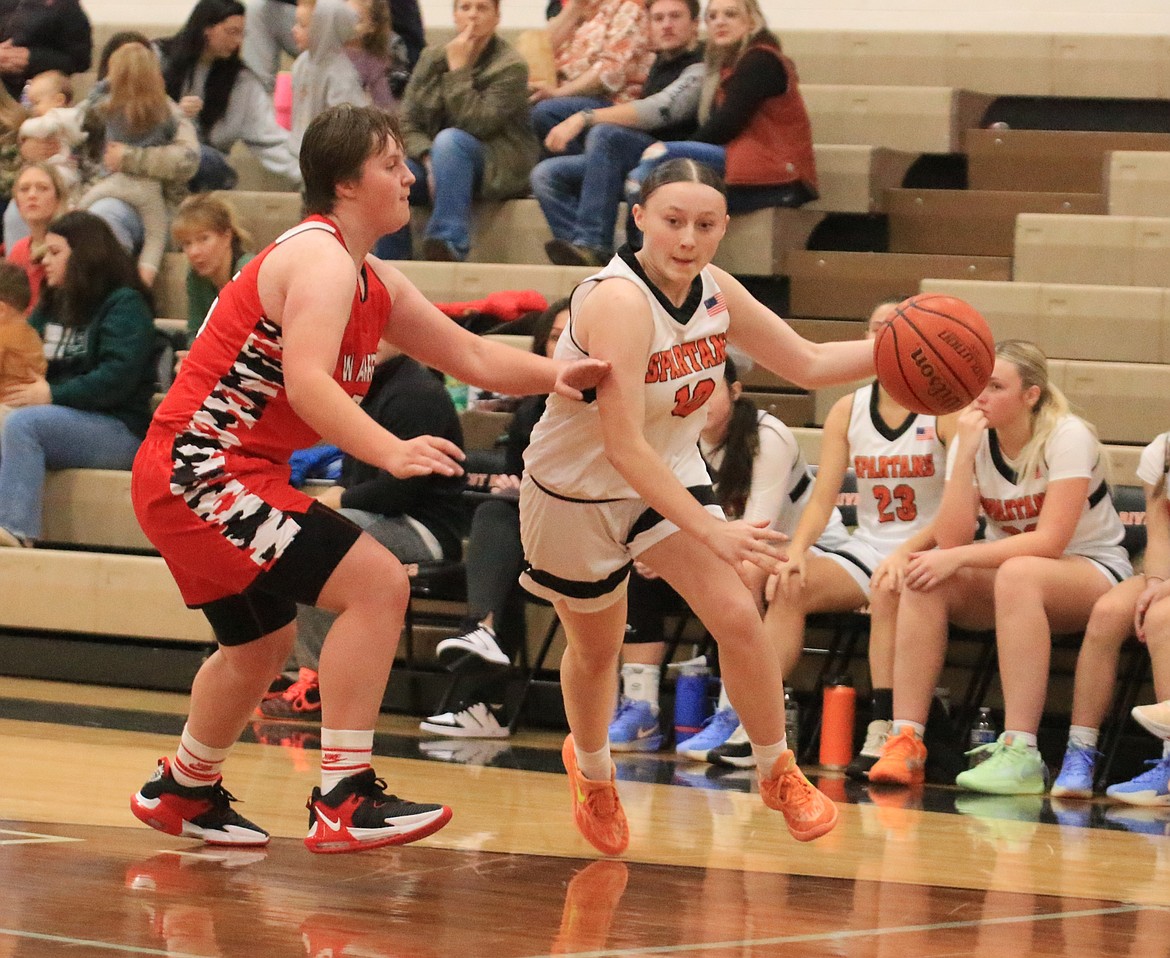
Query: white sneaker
x,y
1155,718
479,641
475,721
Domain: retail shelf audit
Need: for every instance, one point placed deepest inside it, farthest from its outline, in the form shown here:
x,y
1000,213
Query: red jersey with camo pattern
x,y
211,480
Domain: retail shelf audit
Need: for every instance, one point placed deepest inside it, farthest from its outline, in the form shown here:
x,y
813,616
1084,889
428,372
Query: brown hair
x,y
137,92
14,287
681,170
210,211
336,145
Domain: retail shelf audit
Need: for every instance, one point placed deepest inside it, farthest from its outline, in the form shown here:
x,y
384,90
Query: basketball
x,y
935,354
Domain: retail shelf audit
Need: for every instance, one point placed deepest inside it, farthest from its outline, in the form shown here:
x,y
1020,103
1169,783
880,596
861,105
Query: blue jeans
x,y
548,113
123,220
706,153
36,438
457,162
579,195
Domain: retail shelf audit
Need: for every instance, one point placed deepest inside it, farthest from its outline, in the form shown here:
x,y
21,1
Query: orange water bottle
x,y
837,712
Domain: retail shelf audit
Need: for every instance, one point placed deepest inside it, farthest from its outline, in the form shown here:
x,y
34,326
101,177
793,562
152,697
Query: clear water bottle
x,y
791,719
982,733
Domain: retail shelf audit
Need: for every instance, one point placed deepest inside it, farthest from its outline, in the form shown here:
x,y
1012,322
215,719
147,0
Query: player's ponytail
x,y
1032,365
733,484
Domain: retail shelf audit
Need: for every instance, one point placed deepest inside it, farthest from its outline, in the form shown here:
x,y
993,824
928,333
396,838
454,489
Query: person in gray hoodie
x,y
225,100
323,75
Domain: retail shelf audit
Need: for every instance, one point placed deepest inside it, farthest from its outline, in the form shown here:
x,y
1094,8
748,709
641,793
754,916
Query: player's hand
x,y
1155,591
929,569
424,456
972,423
891,574
35,393
790,578
504,482
742,544
578,375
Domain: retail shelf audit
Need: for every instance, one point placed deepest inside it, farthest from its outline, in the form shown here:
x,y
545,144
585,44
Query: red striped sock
x,y
196,764
344,752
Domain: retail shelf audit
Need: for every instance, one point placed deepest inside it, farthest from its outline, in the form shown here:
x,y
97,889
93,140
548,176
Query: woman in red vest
x,y
754,128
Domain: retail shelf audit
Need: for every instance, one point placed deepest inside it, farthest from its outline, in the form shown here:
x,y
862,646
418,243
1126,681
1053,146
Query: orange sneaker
x,y
809,813
590,903
902,762
597,809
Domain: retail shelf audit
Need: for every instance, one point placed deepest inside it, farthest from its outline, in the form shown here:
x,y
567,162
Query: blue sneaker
x,y
1076,774
1144,821
714,732
1151,788
635,728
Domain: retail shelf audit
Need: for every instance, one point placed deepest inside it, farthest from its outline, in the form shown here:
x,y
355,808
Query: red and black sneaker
x,y
204,812
357,814
301,700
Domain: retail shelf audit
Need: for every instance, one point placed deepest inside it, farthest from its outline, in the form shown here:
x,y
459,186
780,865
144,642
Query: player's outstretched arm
x,y
422,331
772,342
307,287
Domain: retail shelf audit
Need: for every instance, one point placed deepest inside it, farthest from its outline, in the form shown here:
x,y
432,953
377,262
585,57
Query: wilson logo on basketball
x,y
937,388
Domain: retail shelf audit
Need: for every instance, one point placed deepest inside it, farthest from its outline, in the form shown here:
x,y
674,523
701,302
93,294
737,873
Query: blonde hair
x,y
138,92
1051,406
12,114
716,60
376,38
210,211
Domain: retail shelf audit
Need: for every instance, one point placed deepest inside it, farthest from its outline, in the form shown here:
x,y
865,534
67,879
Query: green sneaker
x,y
1010,769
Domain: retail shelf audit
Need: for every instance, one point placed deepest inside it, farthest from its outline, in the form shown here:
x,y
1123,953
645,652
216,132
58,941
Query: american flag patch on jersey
x,y
924,433
716,304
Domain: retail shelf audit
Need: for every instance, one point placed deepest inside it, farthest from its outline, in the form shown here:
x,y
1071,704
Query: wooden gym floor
x,y
710,871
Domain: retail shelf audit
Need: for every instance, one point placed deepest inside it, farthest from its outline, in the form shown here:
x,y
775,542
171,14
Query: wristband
x,y
587,119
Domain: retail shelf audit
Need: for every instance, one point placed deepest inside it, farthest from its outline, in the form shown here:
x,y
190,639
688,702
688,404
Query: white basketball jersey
x,y
1012,505
900,472
797,484
688,346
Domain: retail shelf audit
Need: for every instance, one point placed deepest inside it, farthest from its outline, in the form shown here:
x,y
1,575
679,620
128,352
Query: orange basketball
x,y
935,355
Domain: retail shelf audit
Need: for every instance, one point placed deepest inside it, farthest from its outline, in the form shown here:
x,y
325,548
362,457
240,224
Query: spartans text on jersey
x,y
687,358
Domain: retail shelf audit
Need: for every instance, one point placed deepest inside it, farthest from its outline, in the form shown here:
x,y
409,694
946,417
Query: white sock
x,y
196,764
1166,749
1010,735
640,683
724,701
1082,736
766,756
344,752
595,766
899,724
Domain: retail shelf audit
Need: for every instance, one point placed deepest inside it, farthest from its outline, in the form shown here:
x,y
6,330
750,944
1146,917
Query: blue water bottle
x,y
691,703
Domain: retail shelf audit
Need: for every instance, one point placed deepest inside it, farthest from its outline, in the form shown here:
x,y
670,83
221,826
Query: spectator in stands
x,y
1052,548
465,125
579,193
268,34
53,122
495,624
40,35
603,54
22,354
225,100
758,474
11,117
420,519
1134,606
92,407
134,113
40,198
208,230
376,52
754,127
322,75
870,432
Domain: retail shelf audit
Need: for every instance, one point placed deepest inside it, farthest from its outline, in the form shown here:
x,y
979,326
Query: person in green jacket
x,y
92,407
465,124
208,231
